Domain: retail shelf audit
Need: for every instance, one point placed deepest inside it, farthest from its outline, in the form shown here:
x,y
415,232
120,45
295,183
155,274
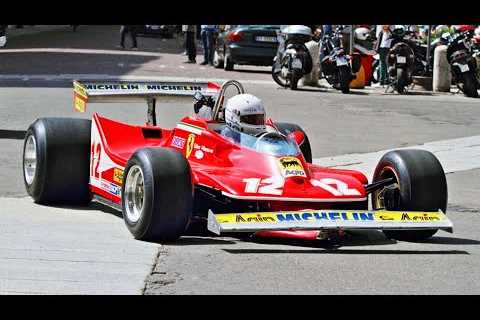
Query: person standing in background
x,y
190,31
3,36
133,35
207,33
382,47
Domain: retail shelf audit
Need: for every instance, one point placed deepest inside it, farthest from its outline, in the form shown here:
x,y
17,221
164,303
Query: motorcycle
x,y
463,63
335,62
401,62
293,59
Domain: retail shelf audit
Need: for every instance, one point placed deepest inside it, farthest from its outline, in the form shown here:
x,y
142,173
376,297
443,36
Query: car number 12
x,y
274,185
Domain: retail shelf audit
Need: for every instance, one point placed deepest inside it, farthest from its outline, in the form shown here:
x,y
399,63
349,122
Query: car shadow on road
x,y
253,71
345,251
451,241
12,134
188,241
93,206
353,239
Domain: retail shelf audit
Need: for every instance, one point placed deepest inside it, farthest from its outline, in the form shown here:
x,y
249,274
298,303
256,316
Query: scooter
x,y
336,68
400,66
293,59
463,64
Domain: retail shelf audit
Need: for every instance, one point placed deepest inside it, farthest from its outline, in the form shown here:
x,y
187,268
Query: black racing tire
x,y
167,195
228,64
422,187
344,77
470,85
62,151
286,128
401,80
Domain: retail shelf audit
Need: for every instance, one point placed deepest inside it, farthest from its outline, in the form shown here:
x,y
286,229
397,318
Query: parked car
x,y
163,30
247,45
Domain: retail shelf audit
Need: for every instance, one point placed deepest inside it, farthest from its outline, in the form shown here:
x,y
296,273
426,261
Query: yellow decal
x,y
190,144
79,103
330,215
246,217
408,216
291,167
118,175
79,90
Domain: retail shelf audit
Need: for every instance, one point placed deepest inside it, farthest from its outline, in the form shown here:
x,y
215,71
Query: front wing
x,y
328,219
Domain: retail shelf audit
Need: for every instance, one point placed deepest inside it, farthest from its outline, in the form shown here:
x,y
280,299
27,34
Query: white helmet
x,y
362,33
245,113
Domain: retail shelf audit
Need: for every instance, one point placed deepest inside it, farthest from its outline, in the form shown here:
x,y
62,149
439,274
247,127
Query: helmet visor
x,y
254,119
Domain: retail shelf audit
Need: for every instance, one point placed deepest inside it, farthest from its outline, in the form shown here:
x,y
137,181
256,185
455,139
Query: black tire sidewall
x,y
35,189
422,182
168,195
63,161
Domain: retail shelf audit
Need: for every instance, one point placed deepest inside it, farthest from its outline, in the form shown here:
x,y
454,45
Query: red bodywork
x,y
280,183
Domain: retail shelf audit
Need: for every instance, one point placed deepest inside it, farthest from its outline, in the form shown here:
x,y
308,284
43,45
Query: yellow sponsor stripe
x,y
330,215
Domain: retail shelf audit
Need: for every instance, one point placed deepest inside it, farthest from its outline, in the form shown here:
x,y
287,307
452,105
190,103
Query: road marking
x,y
71,77
83,51
454,154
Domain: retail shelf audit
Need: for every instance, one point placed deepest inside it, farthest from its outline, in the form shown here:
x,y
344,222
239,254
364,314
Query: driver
x,y
244,113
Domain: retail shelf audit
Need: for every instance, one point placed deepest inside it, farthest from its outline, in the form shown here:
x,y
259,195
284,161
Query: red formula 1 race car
x,y
163,180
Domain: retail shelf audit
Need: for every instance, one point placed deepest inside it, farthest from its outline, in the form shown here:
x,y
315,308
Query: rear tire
x,y
470,85
56,161
422,187
159,208
344,77
401,81
293,81
286,128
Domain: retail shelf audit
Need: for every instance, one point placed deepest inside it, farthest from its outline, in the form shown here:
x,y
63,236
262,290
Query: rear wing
x,y
132,91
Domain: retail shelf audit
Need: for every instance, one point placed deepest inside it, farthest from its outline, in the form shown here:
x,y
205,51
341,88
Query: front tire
x,y
157,195
56,161
422,186
276,76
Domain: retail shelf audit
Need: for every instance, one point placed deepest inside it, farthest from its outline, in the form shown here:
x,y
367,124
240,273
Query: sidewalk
x,y
13,32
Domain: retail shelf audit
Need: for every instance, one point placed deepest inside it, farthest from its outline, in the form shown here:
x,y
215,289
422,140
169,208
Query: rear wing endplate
x,y
328,219
132,91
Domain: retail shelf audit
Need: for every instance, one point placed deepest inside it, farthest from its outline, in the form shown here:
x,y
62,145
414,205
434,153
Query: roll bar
x,y
221,96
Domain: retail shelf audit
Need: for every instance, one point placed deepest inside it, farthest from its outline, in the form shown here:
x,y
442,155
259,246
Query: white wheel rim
x,y
134,194
30,159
